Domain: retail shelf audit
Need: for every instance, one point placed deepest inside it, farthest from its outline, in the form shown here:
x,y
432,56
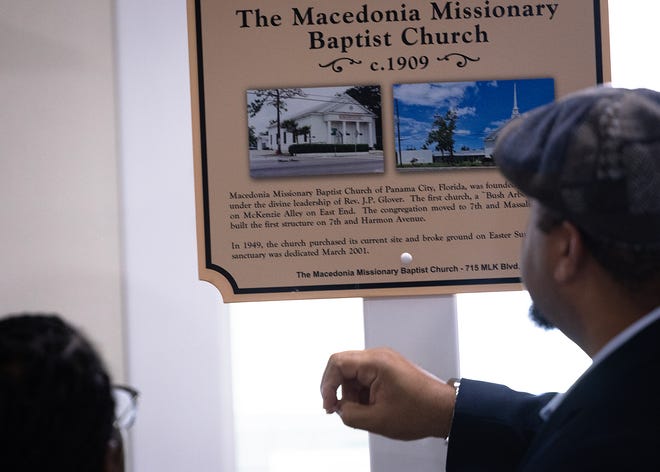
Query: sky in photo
x,y
482,107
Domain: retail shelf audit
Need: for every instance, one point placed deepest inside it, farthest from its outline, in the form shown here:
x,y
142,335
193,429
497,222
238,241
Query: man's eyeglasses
x,y
125,406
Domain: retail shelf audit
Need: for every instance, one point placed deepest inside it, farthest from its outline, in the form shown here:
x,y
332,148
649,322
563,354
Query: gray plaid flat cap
x,y
593,156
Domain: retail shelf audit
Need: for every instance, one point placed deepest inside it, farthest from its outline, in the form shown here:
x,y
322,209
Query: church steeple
x,y
515,113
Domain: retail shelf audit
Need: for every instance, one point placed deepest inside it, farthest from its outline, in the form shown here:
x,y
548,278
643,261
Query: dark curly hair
x,y
56,403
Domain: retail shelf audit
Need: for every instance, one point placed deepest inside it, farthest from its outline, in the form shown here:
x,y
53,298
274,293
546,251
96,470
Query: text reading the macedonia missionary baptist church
x,y
410,33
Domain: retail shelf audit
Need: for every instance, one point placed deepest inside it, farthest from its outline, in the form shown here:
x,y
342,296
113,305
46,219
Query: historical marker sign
x,y
344,149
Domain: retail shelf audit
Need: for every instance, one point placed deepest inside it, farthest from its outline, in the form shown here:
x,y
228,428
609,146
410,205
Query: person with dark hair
x,y
590,165
57,408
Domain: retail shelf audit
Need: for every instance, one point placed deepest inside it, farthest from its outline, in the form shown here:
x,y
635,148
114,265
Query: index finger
x,y
341,367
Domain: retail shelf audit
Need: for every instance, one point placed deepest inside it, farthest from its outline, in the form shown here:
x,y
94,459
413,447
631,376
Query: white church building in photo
x,y
337,120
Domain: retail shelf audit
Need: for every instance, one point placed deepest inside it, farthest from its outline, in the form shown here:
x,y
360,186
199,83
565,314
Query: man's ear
x,y
570,252
114,455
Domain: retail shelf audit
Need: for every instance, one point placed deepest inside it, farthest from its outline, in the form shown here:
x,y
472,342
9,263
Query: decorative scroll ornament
x,y
462,62
338,68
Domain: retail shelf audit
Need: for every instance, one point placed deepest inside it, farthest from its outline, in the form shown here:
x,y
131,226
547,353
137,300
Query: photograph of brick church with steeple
x,y
449,125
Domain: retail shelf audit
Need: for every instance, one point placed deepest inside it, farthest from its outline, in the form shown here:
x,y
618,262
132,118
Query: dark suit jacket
x,y
609,421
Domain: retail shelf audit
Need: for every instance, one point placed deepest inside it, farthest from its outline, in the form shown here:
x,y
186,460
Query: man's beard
x,y
539,318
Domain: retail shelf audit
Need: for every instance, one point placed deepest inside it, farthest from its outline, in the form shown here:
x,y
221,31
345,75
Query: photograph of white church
x,y
336,120
315,131
455,124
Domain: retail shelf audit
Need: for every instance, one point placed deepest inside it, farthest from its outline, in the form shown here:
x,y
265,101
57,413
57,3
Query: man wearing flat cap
x,y
590,166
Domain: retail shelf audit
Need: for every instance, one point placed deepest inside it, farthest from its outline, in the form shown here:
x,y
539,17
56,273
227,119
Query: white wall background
x,y
59,224
69,93
90,89
177,327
